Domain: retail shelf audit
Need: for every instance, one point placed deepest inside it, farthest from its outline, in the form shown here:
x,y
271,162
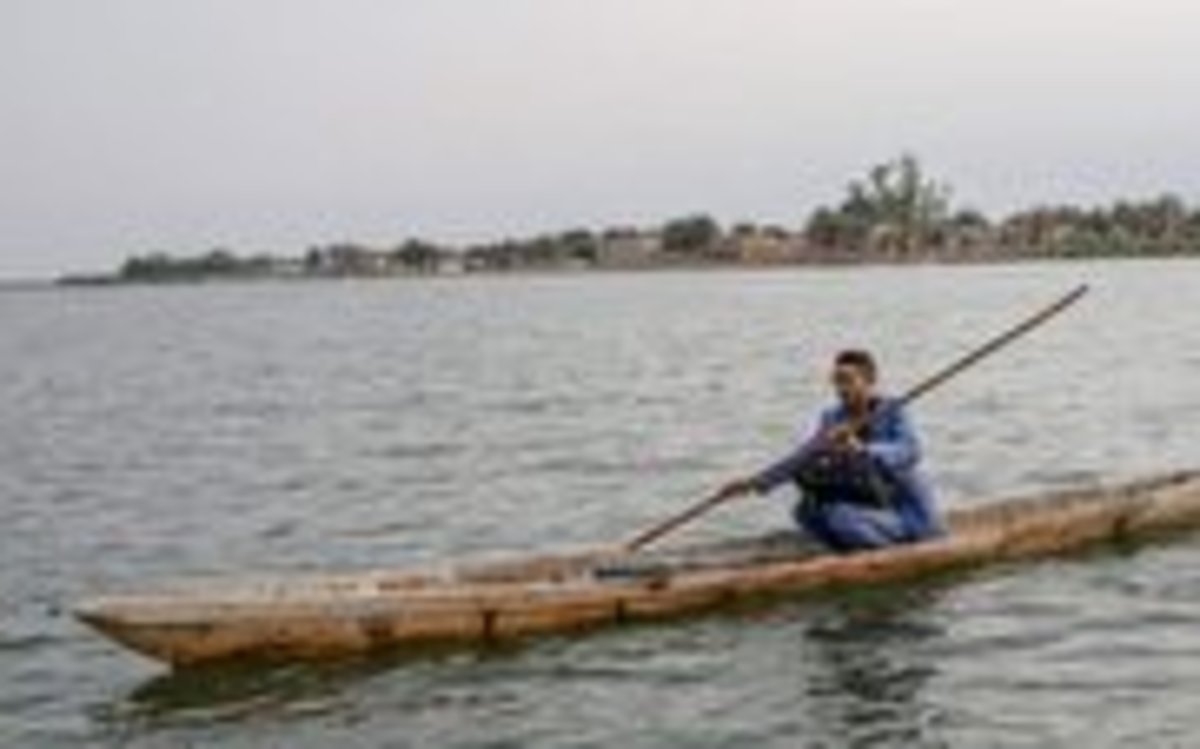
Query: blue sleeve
x,y
782,470
895,445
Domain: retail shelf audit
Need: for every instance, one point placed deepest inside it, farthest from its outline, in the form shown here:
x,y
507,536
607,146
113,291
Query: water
x,y
156,433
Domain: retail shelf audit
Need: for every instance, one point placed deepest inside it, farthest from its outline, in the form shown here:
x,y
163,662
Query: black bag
x,y
853,476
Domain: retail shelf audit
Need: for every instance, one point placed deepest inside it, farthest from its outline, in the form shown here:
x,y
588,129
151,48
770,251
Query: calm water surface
x,y
149,434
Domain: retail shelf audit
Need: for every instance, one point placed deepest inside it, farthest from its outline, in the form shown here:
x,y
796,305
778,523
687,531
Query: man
x,y
857,475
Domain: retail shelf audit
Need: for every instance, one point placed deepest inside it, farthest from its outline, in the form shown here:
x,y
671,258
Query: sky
x,y
131,126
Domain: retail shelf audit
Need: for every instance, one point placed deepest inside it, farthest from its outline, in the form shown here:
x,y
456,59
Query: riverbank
x,y
100,281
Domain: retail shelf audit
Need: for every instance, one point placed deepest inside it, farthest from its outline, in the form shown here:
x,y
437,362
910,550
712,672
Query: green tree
x,y
580,244
691,235
895,208
418,255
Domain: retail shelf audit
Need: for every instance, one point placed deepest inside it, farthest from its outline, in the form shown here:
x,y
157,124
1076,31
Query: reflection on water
x,y
869,669
230,692
860,683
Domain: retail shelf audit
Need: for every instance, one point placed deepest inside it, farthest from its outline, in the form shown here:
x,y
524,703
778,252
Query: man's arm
x,y
782,470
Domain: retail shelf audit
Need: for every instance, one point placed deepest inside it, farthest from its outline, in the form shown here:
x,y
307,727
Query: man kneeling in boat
x,y
857,475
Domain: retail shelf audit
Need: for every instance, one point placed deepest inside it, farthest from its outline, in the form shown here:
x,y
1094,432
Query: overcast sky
x,y
138,125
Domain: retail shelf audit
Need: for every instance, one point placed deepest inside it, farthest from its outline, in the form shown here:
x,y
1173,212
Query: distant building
x,y
348,260
628,248
452,263
285,267
756,245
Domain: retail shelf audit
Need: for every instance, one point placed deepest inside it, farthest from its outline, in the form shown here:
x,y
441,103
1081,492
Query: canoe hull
x,y
331,616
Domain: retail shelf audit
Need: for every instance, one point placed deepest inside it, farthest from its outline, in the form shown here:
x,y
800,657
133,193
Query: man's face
x,y
853,386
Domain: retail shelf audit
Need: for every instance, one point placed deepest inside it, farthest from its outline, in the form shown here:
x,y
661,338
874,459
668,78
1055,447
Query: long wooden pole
x,y
924,386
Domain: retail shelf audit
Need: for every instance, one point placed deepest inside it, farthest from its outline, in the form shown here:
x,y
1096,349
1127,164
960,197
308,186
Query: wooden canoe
x,y
321,616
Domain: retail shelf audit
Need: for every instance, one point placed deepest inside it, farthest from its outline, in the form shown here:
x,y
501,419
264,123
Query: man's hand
x,y
736,488
844,437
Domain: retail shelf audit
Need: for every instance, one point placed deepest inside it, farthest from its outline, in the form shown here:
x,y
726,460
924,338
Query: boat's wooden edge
x,y
484,609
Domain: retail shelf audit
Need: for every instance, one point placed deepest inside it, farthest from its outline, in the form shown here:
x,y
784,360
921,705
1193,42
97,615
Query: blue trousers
x,y
846,527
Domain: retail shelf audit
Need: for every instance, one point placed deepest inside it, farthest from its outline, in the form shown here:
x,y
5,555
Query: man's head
x,y
854,376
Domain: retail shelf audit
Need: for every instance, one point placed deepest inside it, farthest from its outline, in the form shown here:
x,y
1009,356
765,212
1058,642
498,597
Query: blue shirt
x,y
893,443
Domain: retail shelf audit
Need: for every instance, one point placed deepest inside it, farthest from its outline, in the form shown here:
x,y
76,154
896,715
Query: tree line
x,y
895,212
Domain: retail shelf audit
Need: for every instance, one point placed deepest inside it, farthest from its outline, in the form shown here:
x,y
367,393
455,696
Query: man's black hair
x,y
860,359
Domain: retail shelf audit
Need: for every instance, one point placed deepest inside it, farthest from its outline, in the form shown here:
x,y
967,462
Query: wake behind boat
x,y
323,616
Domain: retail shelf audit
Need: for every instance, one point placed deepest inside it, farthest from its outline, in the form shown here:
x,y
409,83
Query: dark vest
x,y
830,474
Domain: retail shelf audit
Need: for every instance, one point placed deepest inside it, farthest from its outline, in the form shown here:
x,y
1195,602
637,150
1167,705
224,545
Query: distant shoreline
x,y
95,282
894,215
